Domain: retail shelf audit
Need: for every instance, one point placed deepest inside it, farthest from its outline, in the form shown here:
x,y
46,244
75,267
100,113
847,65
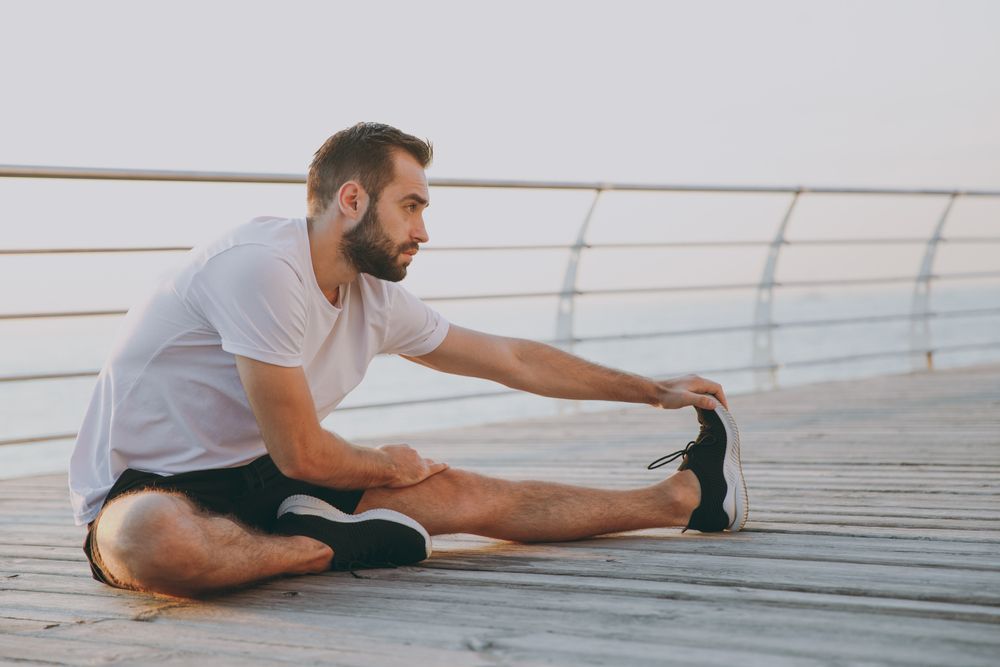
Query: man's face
x,y
383,244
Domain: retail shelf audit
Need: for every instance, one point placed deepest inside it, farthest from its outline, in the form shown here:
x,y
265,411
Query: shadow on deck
x,y
874,537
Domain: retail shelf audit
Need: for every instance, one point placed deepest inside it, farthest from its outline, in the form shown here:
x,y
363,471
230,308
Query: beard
x,y
371,251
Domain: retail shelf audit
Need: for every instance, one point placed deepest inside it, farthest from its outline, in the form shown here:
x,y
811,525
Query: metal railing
x,y
763,364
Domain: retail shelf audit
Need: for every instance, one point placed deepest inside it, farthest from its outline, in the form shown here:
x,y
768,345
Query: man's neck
x,y
331,268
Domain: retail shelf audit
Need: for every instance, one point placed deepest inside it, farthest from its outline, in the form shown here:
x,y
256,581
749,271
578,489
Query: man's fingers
x,y
704,386
703,401
721,395
418,471
435,468
692,390
714,389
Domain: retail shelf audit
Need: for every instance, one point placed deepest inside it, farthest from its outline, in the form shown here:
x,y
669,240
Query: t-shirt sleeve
x,y
255,300
413,328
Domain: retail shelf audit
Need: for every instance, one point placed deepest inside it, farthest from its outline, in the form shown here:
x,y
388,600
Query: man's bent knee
x,y
446,488
451,501
147,541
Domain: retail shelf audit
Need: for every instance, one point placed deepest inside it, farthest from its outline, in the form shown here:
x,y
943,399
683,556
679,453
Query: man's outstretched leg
x,y
707,493
458,501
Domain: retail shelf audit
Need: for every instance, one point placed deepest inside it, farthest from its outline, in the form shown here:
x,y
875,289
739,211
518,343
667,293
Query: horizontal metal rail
x,y
87,251
38,438
712,371
841,282
165,175
963,347
791,324
169,175
750,243
60,314
552,246
671,333
64,375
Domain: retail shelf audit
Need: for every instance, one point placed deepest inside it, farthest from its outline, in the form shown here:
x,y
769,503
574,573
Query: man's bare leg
x,y
457,501
160,542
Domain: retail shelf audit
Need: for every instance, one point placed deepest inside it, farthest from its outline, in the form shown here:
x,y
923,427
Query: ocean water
x,y
47,283
43,407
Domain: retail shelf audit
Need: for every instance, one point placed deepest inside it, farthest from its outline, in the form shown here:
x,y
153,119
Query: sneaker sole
x,y
301,504
736,487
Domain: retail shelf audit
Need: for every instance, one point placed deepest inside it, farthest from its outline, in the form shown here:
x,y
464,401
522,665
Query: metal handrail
x,y
75,251
170,175
842,282
556,246
764,365
845,282
645,335
711,371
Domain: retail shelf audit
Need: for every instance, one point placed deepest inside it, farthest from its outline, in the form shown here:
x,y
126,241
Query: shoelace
x,y
355,565
664,460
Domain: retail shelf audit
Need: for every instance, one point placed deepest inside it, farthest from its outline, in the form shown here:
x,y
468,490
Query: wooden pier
x,y
874,538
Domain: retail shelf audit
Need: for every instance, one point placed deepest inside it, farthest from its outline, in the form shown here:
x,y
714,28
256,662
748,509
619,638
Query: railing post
x,y
567,298
566,309
766,375
920,327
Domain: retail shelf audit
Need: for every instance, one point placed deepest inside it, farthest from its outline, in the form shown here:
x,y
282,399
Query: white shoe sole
x,y
301,504
736,503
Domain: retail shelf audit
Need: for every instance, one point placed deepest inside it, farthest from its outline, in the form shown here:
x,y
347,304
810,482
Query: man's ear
x,y
352,200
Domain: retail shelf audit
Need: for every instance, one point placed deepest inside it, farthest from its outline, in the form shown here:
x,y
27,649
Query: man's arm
x,y
545,370
302,449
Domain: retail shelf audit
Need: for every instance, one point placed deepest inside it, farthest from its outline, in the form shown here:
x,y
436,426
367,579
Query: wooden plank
x,y
980,586
875,533
407,612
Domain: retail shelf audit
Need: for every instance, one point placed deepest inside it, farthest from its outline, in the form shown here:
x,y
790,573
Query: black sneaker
x,y
714,458
376,538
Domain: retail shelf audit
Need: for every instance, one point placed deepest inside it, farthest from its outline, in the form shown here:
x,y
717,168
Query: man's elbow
x,y
517,367
295,461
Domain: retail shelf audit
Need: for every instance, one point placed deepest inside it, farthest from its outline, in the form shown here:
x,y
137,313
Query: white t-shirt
x,y
169,398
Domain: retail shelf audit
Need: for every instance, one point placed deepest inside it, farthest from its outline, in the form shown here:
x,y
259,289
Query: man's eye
x,y
412,208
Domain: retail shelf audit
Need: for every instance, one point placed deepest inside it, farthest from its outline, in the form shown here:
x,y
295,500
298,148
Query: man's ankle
x,y
316,556
685,496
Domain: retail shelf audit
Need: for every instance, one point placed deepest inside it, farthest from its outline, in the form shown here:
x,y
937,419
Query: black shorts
x,y
250,494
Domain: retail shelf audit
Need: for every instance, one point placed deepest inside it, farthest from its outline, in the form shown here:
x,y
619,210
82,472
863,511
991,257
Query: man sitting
x,y
201,463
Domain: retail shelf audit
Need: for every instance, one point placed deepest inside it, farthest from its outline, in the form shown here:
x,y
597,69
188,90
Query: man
x,y
201,463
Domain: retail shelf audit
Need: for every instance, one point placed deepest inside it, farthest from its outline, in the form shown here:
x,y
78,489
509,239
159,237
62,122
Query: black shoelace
x,y
356,565
664,460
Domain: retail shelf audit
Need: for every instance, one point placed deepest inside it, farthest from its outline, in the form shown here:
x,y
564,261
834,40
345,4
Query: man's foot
x,y
714,458
376,538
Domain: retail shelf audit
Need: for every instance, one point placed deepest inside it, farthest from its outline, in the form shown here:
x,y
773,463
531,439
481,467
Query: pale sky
x,y
853,93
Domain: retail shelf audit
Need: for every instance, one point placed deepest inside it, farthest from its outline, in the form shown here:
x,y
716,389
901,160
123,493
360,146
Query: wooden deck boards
x,y
874,538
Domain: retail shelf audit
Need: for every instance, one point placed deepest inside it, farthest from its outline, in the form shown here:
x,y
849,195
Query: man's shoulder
x,y
263,249
259,240
281,235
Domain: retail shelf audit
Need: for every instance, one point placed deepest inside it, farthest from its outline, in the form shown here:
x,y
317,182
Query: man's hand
x,y
691,390
409,466
302,449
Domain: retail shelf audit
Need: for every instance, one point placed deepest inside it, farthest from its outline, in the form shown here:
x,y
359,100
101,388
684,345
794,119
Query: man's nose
x,y
420,232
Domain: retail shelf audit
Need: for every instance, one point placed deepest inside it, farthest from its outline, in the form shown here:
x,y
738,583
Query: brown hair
x,y
362,152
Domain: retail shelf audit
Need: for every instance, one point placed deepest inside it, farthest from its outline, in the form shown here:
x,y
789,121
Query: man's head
x,y
362,153
371,176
